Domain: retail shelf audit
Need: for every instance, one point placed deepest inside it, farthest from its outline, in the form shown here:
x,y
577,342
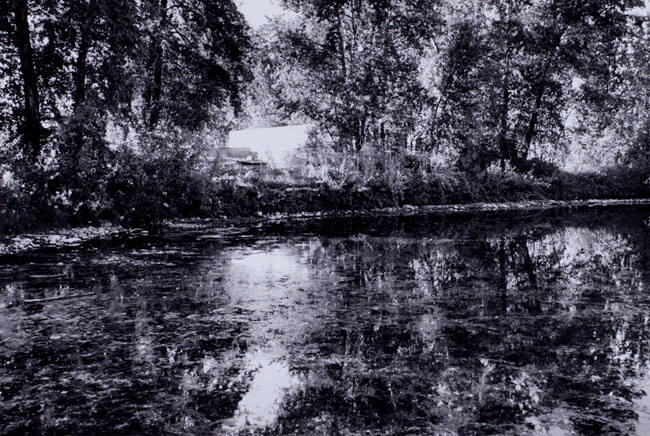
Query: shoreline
x,y
450,209
76,236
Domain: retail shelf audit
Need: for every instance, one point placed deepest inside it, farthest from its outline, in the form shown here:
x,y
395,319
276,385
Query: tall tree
x,y
196,58
32,115
531,52
353,66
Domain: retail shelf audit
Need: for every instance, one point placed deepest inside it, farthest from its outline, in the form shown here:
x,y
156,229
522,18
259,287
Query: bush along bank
x,y
142,192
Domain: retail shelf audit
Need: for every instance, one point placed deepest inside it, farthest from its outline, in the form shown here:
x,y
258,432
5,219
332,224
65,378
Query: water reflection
x,y
260,406
413,326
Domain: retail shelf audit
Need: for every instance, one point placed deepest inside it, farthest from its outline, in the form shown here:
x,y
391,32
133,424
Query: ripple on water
x,y
485,325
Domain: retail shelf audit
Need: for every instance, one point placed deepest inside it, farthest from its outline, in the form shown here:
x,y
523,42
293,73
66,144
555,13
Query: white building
x,y
278,147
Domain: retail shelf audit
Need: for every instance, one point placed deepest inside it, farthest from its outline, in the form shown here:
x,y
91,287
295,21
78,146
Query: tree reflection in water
x,y
408,326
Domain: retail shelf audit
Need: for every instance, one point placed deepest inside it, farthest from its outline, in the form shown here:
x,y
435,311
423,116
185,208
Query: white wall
x,y
275,145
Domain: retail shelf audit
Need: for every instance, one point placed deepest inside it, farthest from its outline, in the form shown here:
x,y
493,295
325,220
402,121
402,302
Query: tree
x,y
462,117
31,127
352,66
530,52
195,58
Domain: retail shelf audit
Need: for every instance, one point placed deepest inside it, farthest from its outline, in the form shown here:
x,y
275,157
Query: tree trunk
x,y
344,68
155,86
505,149
360,133
79,92
32,122
80,67
532,125
503,275
539,95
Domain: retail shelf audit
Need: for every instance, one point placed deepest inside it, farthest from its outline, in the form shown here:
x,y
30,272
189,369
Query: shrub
x,y
146,189
141,189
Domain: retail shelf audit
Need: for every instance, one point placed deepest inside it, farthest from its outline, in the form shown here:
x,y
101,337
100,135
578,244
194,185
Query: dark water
x,y
485,324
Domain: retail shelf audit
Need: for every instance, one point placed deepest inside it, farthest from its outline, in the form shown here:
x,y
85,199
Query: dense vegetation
x,y
110,107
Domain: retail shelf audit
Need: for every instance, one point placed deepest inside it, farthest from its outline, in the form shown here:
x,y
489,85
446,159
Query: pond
x,y
527,323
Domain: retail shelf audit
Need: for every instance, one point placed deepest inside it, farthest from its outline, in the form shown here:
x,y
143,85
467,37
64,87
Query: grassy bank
x,y
444,188
142,191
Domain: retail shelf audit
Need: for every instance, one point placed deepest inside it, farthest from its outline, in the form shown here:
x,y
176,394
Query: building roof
x,y
275,144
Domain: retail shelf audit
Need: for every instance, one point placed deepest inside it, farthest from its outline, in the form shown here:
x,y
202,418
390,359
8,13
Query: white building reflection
x,y
273,285
261,405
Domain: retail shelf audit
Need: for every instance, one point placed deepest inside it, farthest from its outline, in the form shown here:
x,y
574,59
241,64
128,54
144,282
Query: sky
x,y
256,11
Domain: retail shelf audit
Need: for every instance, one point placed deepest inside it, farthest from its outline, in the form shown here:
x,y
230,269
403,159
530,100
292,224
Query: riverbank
x,y
73,237
145,192
62,238
436,191
407,210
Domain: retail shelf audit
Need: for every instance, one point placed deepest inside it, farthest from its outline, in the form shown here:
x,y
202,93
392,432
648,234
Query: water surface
x,y
477,324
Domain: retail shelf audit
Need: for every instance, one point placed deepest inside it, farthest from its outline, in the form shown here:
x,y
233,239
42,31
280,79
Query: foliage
x,y
352,66
168,66
194,54
109,107
508,70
